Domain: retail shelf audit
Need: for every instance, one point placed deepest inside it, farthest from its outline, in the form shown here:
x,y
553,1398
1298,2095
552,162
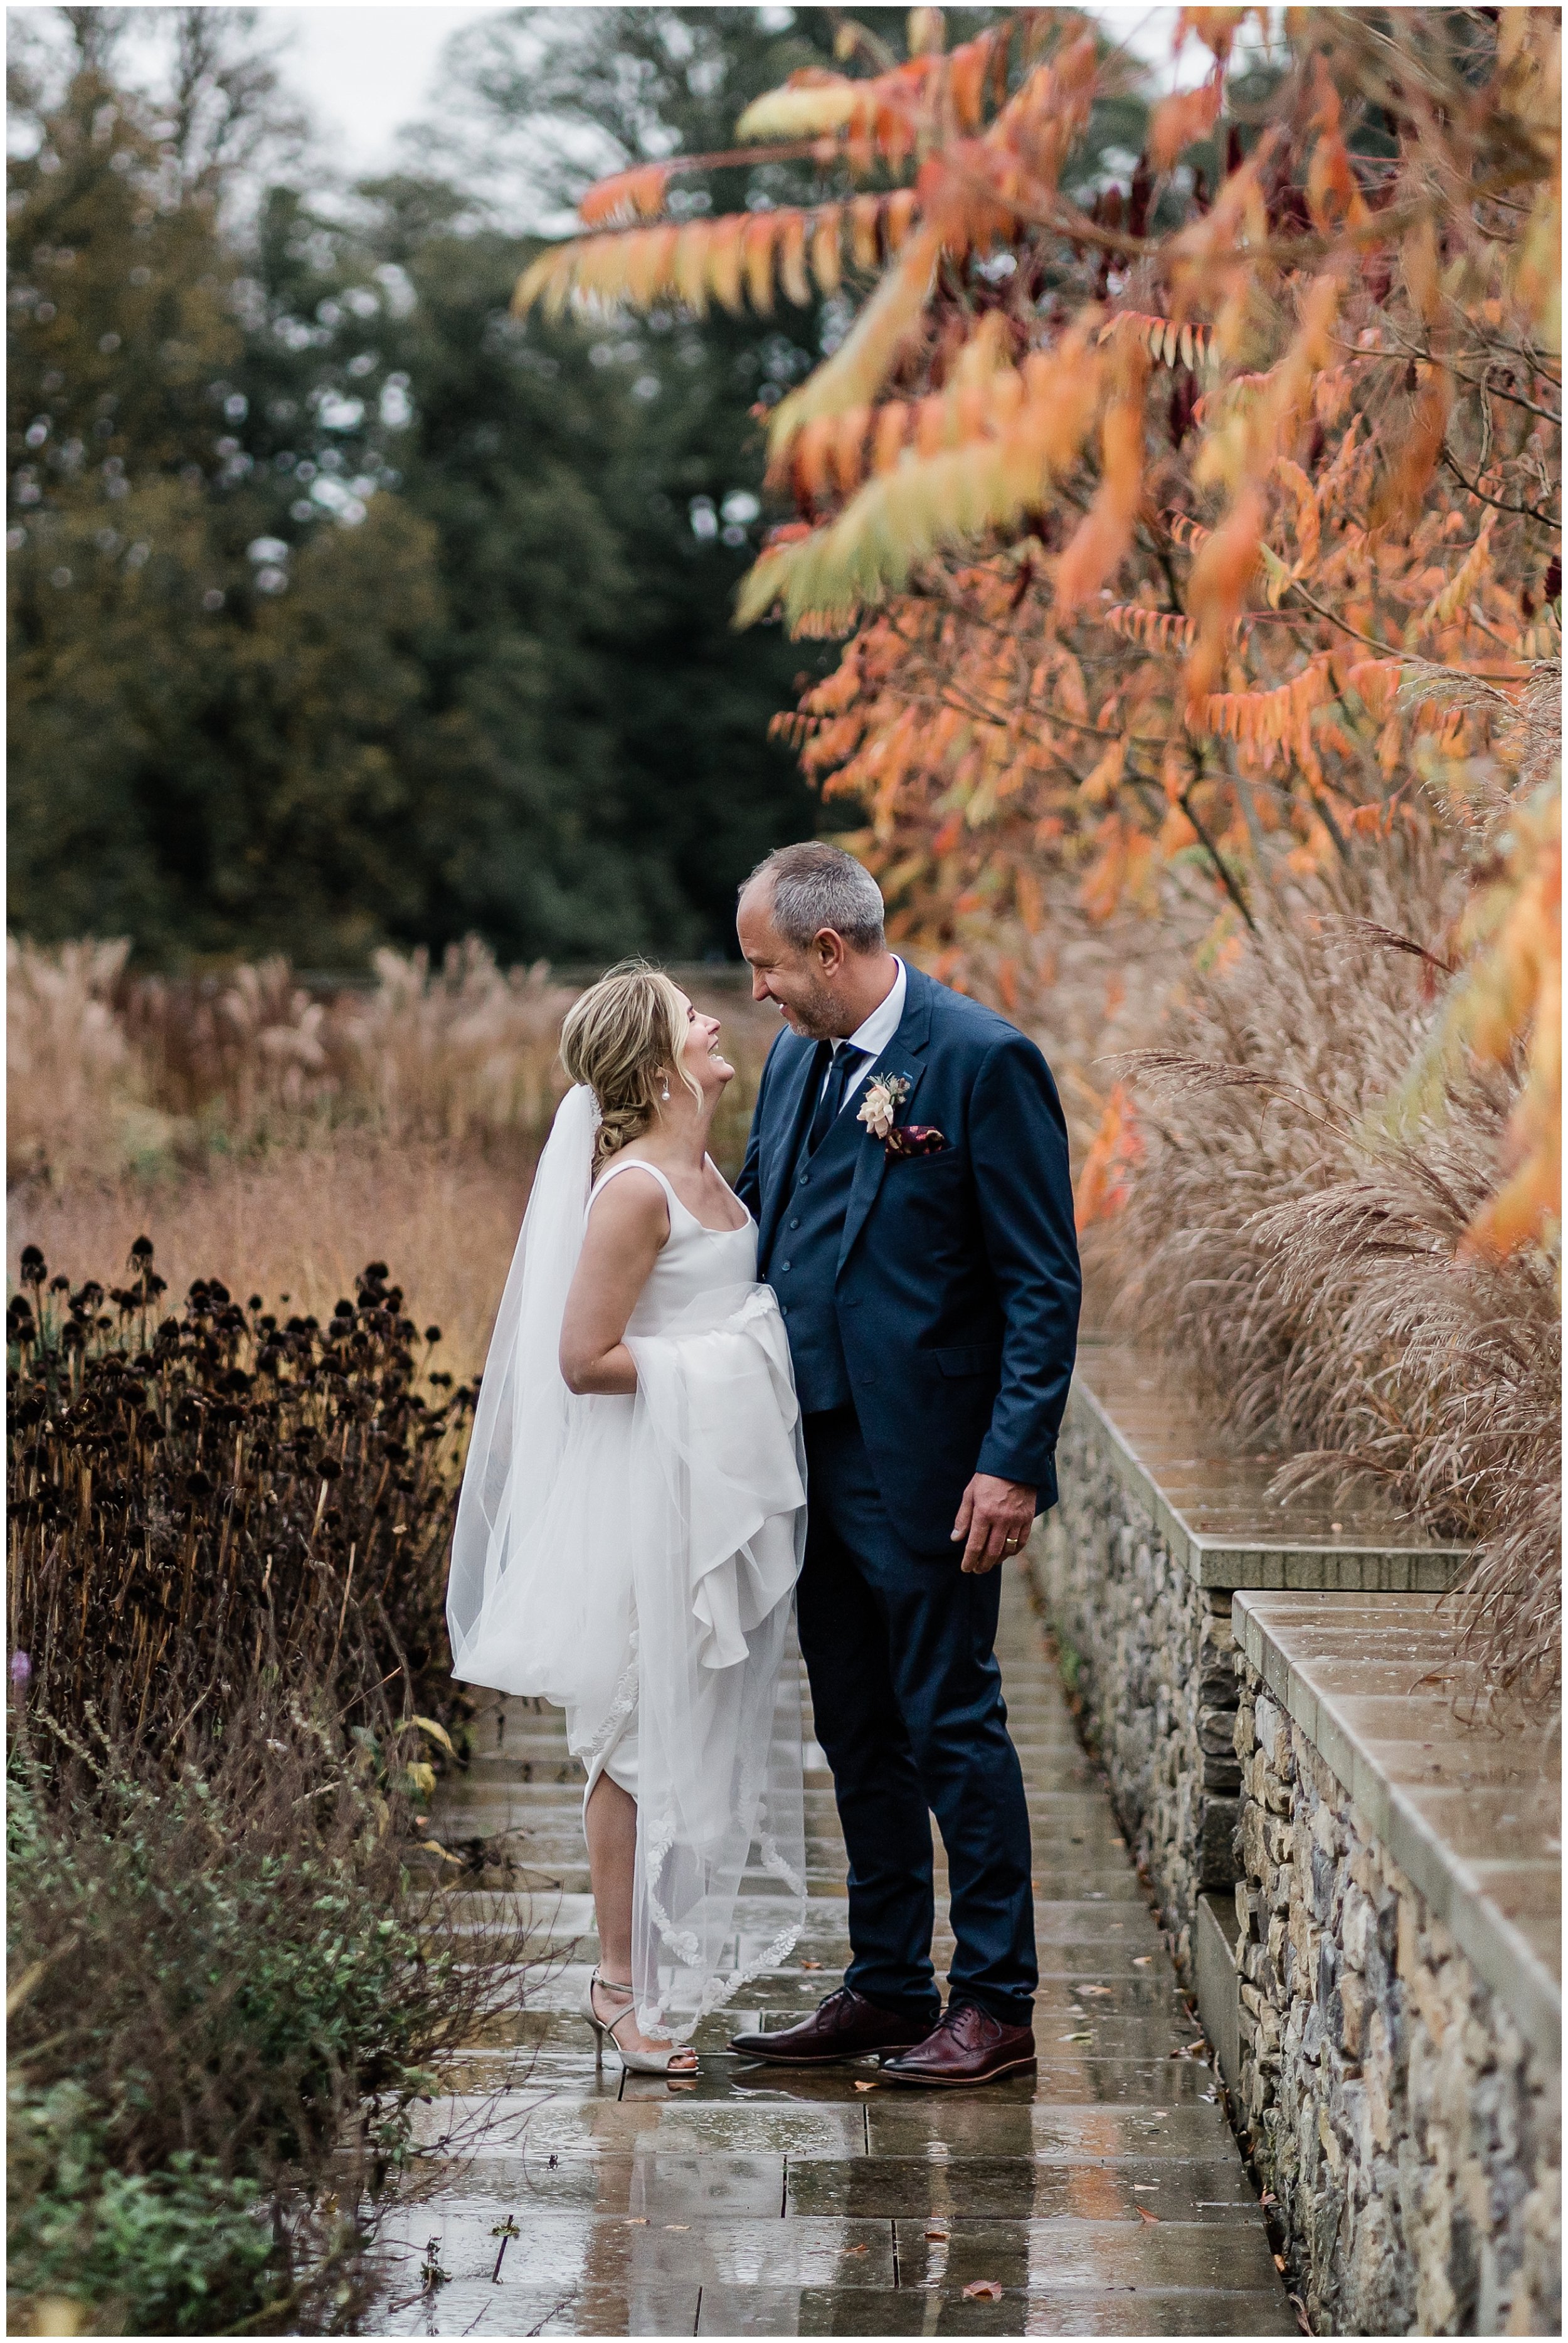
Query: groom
x,y
908,1172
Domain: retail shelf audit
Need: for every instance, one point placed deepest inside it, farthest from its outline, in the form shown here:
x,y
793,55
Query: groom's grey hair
x,y
815,886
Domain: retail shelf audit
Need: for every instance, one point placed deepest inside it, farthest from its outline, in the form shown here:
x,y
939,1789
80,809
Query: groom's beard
x,y
816,1015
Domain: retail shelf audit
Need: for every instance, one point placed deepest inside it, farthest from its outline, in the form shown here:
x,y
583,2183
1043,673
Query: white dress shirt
x,y
875,1034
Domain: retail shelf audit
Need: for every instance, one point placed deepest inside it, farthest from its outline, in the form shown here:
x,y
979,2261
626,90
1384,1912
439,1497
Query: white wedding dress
x,y
633,1560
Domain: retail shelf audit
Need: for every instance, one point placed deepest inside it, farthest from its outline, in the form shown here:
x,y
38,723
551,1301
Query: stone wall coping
x,y
1471,1815
1211,1505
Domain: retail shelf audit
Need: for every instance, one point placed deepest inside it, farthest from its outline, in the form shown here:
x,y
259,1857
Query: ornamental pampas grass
x,y
1310,1267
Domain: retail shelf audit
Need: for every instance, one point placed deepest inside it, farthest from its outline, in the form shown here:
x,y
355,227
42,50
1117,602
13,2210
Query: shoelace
x,y
949,2020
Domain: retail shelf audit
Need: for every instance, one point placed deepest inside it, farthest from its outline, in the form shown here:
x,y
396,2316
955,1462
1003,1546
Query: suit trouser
x,y
908,1708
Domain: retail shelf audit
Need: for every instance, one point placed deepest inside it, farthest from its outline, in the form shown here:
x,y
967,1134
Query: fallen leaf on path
x,y
1280,2263
1299,2307
434,1847
856,2249
1142,1960
935,2237
1075,2038
982,2289
1094,1989
678,2224
867,2086
811,1965
1144,2215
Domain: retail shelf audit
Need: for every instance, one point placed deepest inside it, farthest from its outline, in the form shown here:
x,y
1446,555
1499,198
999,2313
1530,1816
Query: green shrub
x,y
229,1993
183,2251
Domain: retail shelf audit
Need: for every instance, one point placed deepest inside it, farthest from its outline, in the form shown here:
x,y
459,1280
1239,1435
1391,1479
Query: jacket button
x,y
783,1310
794,1224
783,1264
805,1179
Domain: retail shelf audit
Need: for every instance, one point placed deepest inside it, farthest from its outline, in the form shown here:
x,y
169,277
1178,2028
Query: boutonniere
x,y
885,1094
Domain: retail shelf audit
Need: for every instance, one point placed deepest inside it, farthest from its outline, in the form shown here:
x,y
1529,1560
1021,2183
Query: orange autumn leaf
x,y
1115,1147
1215,28
1516,1000
630,194
1105,532
1225,566
1180,121
1415,459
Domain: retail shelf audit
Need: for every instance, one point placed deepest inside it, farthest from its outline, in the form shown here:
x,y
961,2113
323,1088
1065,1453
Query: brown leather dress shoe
x,y
846,2026
968,2045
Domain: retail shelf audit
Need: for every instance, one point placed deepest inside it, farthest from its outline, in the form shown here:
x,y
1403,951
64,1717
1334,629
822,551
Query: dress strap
x,y
634,1163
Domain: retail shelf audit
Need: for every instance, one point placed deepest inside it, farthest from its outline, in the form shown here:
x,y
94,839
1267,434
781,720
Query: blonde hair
x,y
619,1037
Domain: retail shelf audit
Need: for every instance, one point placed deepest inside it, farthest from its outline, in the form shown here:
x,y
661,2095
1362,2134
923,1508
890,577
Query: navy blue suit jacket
x,y
957,1282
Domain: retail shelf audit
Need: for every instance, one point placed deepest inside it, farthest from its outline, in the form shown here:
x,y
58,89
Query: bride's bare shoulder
x,y
626,1208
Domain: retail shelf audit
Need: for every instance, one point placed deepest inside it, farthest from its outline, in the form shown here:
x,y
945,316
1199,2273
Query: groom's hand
x,y
994,1519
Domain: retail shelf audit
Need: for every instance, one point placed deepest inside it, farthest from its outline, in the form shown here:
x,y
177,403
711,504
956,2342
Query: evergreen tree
x,y
207,725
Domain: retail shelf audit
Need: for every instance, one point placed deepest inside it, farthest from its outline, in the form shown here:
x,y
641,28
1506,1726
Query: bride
x,y
632,1520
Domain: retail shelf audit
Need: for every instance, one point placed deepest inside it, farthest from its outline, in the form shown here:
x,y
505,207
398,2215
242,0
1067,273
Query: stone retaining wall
x,y
1151,1654
1272,1691
1410,2131
1135,1567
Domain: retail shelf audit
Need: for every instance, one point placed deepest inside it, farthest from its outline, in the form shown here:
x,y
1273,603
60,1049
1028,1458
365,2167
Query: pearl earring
x,y
664,1094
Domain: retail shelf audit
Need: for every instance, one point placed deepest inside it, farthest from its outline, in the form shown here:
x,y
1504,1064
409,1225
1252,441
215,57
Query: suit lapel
x,y
788,1119
903,1056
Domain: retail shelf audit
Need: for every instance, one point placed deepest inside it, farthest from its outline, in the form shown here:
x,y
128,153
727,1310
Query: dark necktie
x,y
846,1060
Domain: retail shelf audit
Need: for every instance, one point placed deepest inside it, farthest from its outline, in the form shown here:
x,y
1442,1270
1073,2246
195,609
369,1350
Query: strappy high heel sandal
x,y
636,2062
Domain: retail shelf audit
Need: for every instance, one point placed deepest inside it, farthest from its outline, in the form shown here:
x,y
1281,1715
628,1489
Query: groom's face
x,y
800,978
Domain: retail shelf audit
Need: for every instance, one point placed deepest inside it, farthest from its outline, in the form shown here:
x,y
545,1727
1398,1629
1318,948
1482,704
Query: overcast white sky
x,y
362,91
366,71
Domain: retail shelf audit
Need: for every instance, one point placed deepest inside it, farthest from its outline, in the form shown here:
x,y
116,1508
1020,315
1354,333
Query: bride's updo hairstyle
x,y
624,1038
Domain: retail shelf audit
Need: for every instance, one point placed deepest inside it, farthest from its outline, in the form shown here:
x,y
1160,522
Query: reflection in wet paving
x,y
1103,2195
1010,2188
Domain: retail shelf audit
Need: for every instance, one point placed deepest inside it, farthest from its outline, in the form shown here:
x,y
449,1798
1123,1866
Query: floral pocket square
x,y
914,1139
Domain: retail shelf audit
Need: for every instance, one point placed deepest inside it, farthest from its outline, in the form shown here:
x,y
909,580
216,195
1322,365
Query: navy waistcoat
x,y
804,1262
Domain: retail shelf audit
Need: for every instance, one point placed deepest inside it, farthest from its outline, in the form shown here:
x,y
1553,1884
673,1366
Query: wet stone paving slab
x,y
1102,2196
